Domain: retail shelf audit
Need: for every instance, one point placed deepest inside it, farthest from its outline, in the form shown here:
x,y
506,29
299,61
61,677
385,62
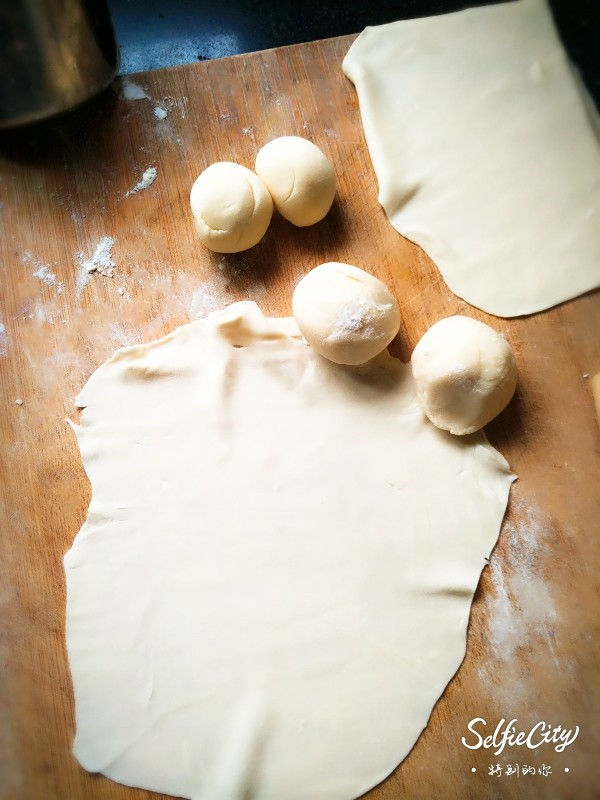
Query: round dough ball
x,y
464,374
347,315
300,178
232,207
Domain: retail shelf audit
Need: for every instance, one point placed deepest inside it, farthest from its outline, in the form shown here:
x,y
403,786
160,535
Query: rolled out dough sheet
x,y
485,152
273,584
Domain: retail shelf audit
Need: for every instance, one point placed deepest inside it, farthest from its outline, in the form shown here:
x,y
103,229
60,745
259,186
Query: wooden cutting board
x,y
64,187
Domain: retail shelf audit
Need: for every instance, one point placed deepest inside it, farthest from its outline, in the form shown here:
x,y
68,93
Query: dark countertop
x,y
160,33
163,33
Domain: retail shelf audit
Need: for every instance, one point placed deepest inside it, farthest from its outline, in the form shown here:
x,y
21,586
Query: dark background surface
x,y
163,33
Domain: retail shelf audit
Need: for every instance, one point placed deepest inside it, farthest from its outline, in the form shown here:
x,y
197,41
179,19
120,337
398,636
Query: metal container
x,y
54,54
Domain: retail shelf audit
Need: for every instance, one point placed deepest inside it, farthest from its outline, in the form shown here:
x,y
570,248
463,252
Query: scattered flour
x,y
3,340
201,302
522,603
49,278
178,104
235,267
101,262
183,297
131,91
520,610
43,272
147,180
39,310
77,217
123,335
64,354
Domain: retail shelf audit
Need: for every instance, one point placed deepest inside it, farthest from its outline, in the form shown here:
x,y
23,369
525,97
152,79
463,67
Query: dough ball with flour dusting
x,y
464,374
299,177
232,207
347,315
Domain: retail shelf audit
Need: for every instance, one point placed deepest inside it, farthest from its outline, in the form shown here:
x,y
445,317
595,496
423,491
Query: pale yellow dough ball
x,y
231,206
299,177
464,374
345,314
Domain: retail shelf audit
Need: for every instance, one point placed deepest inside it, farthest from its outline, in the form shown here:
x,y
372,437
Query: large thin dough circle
x,y
273,584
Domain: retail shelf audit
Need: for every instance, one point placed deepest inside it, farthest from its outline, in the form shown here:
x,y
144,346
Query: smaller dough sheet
x,y
485,152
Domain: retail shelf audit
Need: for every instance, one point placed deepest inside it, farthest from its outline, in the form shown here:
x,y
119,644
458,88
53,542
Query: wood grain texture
x,y
533,639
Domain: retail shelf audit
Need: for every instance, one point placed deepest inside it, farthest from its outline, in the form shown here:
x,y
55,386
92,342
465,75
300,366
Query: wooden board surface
x,y
533,639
